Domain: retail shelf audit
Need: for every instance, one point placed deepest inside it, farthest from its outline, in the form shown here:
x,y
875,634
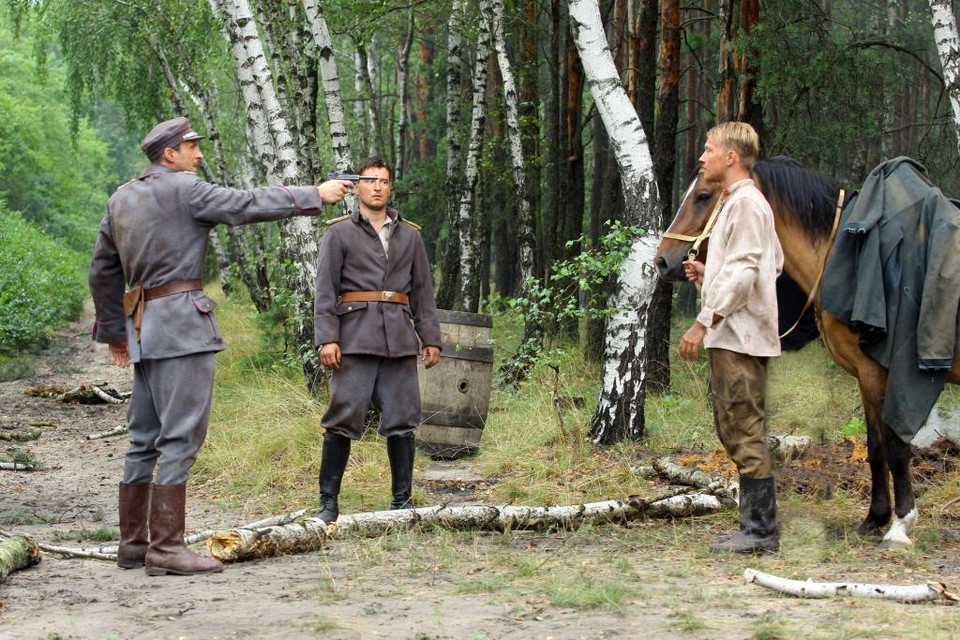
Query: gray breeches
x,y
390,383
168,416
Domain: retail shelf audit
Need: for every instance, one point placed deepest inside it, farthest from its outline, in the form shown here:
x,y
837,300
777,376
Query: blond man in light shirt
x,y
737,324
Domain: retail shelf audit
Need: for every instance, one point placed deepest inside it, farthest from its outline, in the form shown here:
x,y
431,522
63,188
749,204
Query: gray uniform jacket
x,y
155,231
352,259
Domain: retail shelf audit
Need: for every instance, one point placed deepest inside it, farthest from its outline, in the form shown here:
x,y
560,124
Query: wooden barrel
x,y
455,394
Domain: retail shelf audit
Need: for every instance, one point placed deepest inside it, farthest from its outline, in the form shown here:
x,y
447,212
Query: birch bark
x,y
331,84
403,68
620,410
468,298
948,47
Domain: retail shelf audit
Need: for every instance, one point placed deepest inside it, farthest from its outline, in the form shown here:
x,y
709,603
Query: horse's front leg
x,y
879,514
905,515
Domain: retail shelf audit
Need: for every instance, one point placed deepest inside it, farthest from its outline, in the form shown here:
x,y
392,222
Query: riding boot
x,y
134,525
401,450
167,553
336,451
759,532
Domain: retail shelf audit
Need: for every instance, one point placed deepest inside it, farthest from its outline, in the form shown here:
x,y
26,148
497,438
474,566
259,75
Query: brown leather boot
x,y
134,510
167,553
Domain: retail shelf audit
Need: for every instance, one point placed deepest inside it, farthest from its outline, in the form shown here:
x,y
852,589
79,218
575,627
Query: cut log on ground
x,y
244,544
109,552
728,493
17,466
118,430
806,589
786,448
17,552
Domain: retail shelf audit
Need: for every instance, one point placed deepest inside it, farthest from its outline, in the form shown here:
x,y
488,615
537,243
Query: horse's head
x,y
691,219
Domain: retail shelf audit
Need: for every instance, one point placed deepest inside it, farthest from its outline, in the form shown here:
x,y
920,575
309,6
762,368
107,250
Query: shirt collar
x,y
736,185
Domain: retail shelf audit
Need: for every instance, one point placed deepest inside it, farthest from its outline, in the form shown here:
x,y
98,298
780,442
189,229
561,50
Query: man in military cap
x,y
374,312
152,239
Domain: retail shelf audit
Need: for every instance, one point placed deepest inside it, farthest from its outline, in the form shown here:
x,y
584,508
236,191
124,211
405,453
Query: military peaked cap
x,y
168,135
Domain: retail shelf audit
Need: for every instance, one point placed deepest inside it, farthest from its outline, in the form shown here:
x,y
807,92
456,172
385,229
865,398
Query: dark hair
x,y
373,162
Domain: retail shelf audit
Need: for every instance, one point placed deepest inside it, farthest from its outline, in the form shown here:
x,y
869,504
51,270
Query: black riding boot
x,y
759,532
336,451
401,450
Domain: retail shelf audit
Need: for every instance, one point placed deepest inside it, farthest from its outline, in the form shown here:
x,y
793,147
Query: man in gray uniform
x,y
374,312
153,239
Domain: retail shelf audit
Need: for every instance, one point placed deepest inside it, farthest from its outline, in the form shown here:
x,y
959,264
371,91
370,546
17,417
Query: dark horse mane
x,y
808,197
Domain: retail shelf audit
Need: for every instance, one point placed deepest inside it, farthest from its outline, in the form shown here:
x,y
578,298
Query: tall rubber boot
x,y
336,452
134,525
401,451
167,553
759,532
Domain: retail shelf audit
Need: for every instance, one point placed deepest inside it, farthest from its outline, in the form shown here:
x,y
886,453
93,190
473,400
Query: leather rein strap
x,y
815,290
707,229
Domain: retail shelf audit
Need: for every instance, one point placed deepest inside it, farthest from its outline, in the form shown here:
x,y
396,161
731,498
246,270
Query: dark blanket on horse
x,y
894,277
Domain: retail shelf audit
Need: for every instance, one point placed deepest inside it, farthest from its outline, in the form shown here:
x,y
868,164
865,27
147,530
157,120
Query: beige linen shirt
x,y
739,279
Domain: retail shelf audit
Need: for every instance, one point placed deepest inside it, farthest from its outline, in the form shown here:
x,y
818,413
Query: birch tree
x,y
948,48
620,410
332,95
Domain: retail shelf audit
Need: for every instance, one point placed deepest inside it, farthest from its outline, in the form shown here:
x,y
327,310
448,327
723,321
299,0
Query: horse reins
x,y
698,240
815,290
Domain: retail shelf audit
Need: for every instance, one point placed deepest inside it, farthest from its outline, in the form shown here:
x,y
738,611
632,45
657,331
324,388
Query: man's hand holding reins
x,y
694,271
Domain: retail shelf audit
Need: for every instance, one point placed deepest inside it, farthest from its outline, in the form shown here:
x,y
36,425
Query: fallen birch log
x,y
17,552
728,493
311,534
808,589
109,552
118,430
110,396
784,448
17,466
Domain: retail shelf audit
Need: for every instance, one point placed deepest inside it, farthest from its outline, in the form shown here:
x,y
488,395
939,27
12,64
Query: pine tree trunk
x,y
751,111
403,68
726,90
620,409
948,47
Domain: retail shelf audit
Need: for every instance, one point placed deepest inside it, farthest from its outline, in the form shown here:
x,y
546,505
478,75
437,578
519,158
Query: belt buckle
x,y
388,295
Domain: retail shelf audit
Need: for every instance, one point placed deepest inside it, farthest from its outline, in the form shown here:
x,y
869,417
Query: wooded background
x,y
488,114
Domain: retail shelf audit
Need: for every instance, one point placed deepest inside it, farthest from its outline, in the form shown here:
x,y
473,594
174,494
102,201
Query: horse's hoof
x,y
895,545
872,528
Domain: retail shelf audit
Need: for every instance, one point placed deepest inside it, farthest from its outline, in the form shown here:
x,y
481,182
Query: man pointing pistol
x,y
153,239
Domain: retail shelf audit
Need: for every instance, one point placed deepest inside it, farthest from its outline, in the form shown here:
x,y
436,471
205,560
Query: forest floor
x,y
645,579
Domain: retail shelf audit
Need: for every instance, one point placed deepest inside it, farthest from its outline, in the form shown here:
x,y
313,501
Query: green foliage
x,y
41,285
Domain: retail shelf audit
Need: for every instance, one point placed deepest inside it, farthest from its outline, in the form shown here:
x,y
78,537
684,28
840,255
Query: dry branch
x,y
110,396
243,544
17,552
807,589
120,429
728,493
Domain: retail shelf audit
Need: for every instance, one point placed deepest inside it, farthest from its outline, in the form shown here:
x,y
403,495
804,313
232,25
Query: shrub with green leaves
x,y
42,285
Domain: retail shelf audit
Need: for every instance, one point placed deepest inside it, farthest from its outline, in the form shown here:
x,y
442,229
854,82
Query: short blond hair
x,y
740,137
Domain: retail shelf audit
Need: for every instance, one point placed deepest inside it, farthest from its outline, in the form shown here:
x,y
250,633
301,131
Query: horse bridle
x,y
711,221
698,240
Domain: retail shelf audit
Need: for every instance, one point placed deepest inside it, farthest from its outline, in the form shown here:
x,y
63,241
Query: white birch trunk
x,y
948,47
620,410
365,86
402,121
469,289
524,209
342,156
299,244
808,589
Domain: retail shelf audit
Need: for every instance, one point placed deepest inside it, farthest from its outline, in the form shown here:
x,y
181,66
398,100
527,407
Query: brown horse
x,y
804,206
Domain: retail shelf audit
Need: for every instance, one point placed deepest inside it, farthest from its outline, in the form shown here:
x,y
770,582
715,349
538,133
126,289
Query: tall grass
x,y
264,445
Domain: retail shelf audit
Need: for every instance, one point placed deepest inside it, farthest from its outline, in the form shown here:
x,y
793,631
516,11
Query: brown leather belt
x,y
135,300
374,296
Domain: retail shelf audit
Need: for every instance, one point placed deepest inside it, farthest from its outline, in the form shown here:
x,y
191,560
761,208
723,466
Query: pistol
x,y
352,177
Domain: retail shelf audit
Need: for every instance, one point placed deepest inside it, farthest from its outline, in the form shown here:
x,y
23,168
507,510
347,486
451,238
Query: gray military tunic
x,y
155,231
379,341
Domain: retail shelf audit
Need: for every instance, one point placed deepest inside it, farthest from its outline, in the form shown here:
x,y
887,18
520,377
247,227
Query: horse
x,y
805,207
